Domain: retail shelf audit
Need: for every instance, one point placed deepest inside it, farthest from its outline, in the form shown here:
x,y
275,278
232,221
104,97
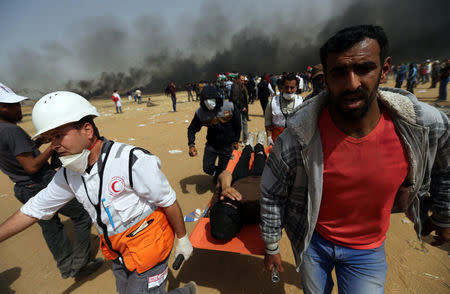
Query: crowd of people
x,y
329,169
432,72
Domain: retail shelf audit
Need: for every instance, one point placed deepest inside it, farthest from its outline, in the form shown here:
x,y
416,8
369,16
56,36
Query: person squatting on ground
x,y
332,187
239,97
223,121
117,101
281,107
236,201
22,162
122,188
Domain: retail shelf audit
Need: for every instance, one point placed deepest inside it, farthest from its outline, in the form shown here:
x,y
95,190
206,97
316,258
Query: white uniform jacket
x,y
132,187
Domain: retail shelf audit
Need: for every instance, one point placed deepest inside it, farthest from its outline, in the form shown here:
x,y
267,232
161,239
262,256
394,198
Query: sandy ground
x,y
26,265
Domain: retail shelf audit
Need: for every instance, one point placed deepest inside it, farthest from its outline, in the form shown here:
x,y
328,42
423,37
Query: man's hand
x,y
442,234
244,109
184,247
235,145
192,151
273,260
231,193
41,140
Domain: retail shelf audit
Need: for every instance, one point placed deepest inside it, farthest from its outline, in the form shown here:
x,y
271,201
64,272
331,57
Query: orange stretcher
x,y
247,241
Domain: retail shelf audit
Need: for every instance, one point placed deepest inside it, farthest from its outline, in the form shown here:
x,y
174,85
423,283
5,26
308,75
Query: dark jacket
x,y
224,125
239,97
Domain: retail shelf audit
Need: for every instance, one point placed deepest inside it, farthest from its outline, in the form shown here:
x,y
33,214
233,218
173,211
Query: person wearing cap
x,y
121,187
22,162
318,82
281,107
223,121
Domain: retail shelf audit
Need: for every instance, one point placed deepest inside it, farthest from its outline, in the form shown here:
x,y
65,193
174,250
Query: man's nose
x,y
352,81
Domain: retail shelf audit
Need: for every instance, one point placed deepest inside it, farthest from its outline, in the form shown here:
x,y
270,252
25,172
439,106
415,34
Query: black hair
x,y
346,38
289,77
88,119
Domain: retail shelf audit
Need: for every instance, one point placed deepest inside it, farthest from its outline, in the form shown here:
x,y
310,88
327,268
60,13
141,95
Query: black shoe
x,y
88,269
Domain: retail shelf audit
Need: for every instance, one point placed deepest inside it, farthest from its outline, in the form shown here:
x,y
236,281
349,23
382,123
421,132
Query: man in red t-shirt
x,y
342,163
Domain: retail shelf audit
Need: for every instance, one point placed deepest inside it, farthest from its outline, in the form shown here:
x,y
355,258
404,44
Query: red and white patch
x,y
115,186
157,280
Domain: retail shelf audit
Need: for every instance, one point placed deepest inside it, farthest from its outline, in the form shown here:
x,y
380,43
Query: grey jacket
x,y
292,181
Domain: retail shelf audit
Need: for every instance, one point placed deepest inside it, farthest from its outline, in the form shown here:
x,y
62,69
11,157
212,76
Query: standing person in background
x,y
435,73
138,96
173,96
22,162
189,92
401,75
264,91
443,81
412,78
251,89
196,90
117,101
322,181
122,188
281,107
239,97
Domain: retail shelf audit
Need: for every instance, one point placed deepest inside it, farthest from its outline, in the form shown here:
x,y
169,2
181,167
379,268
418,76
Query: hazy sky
x,y
99,44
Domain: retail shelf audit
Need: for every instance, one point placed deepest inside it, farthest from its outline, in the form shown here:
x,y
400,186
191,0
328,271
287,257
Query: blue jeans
x,y
357,271
174,102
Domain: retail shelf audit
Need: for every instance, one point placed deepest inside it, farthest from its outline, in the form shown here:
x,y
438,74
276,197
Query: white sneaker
x,y
251,139
261,139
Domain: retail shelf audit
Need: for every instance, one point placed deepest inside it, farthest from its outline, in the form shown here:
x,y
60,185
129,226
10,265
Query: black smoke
x,y
151,53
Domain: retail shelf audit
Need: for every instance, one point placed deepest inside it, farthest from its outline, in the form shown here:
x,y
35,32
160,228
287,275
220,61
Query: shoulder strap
x,y
130,163
65,175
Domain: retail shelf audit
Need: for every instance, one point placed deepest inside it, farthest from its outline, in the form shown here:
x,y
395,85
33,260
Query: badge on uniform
x,y
157,280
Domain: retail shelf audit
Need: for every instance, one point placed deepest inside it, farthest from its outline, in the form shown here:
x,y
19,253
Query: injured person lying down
x,y
236,201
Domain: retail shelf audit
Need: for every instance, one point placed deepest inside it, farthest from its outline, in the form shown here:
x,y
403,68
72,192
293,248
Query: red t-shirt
x,y
361,178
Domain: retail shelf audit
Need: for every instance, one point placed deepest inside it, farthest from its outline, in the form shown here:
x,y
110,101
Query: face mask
x,y
210,104
76,162
288,97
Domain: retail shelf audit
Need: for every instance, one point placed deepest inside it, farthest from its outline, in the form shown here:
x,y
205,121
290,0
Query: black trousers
x,y
242,169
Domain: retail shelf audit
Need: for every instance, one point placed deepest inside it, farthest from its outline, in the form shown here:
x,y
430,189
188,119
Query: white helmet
x,y
60,108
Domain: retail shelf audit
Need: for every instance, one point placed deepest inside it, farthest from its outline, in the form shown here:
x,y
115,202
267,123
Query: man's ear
x,y
385,69
88,129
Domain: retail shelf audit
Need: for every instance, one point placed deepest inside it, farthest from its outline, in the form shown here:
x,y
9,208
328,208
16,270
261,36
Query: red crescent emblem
x,y
116,186
113,188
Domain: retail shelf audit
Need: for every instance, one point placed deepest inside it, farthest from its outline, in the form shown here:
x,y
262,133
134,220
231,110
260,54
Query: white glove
x,y
184,247
269,140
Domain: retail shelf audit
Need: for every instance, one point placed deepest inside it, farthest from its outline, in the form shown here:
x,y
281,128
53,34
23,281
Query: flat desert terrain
x,y
26,265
